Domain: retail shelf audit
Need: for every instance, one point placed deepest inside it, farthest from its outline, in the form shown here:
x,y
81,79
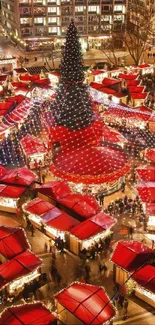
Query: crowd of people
x,y
125,205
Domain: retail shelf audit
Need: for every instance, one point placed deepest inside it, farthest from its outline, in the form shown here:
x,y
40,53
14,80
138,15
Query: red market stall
x,y
19,270
28,314
34,150
90,231
97,76
113,136
13,241
128,257
149,155
146,191
128,76
11,197
38,206
20,176
138,98
84,304
53,190
145,284
146,173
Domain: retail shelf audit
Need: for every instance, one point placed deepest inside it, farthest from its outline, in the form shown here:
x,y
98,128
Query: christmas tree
x,y
72,107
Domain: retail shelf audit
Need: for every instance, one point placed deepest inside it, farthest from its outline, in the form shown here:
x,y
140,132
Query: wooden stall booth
x,y
82,304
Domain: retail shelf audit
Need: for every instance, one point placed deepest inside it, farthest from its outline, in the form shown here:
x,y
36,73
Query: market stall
x,y
146,173
145,284
145,68
146,191
13,242
128,256
19,177
106,96
84,304
21,269
138,98
97,76
149,155
34,150
87,233
11,198
37,206
25,314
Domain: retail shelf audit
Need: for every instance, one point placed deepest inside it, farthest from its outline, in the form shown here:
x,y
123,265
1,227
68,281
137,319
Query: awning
x,y
145,277
32,145
11,191
20,176
146,191
93,226
18,267
12,241
146,173
38,206
130,255
88,303
27,314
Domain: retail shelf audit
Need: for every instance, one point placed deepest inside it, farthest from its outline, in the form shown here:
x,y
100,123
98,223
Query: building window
x,y
81,9
52,20
52,10
52,30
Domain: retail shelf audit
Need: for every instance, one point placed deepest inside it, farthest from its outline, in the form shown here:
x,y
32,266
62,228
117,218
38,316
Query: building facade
x,y
34,23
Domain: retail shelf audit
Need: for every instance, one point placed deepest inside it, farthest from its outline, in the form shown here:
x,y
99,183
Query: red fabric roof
x,y
88,303
128,76
93,226
4,107
133,82
108,91
85,205
12,241
96,72
112,135
20,176
3,171
144,65
32,145
150,154
134,89
55,189
18,98
109,82
96,85
59,219
146,191
27,314
38,206
145,277
146,173
11,191
17,267
139,95
130,255
150,209
90,165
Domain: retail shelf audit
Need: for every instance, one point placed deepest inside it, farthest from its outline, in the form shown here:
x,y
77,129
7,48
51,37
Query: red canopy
x,y
20,176
128,76
32,145
146,173
107,82
59,220
88,303
150,154
146,191
3,171
96,85
145,277
27,314
11,191
12,241
130,255
85,205
93,226
38,206
133,82
54,189
134,89
17,267
139,95
90,165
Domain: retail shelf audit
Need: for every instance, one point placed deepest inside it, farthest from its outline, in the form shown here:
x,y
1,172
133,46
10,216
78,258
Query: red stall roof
x,y
150,209
107,82
96,85
150,154
96,72
38,206
85,205
11,191
130,255
139,95
4,108
59,219
134,89
128,76
133,82
21,176
12,241
3,171
54,189
145,277
112,135
88,303
146,191
146,173
17,267
32,145
93,226
27,314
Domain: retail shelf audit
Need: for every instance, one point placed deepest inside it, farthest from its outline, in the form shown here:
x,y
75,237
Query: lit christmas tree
x,y
72,107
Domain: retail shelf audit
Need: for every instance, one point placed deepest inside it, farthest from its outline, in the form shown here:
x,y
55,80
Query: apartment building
x,y
34,23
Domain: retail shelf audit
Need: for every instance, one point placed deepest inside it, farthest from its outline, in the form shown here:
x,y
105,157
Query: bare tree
x,y
137,29
110,46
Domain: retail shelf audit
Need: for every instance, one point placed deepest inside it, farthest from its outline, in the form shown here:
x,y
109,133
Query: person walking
x,y
130,233
125,308
101,197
